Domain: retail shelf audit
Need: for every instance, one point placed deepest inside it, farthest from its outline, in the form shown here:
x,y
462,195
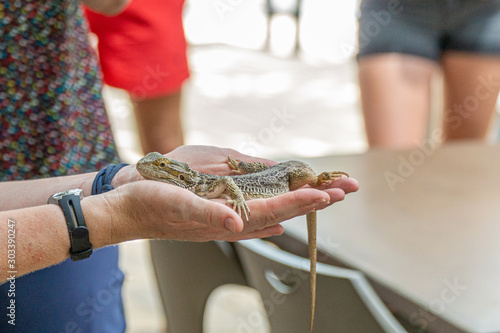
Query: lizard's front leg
x,y
235,196
224,187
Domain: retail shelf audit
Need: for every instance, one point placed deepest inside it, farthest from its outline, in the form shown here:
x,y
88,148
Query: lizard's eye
x,y
162,165
181,177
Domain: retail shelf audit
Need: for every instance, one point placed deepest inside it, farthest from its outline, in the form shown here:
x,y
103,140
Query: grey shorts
x,y
427,28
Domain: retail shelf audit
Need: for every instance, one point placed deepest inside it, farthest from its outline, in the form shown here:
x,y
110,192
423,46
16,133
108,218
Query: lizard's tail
x,y
311,232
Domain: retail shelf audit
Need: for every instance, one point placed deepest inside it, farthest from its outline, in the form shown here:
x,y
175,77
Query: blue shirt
x,y
71,297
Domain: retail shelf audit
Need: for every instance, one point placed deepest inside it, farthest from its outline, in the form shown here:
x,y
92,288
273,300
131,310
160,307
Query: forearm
x,y
34,238
38,236
29,193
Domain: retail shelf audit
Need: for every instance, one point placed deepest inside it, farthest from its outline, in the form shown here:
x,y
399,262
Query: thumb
x,y
217,215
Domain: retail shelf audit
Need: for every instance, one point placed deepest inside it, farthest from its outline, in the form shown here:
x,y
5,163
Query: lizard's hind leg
x,y
239,167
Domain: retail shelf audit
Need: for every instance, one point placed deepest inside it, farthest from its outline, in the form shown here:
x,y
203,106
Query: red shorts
x,y
143,50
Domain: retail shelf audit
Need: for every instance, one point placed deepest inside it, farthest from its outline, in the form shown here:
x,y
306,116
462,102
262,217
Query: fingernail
x,y
230,224
320,201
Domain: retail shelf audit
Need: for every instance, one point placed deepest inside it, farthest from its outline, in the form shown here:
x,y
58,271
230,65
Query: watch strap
x,y
78,232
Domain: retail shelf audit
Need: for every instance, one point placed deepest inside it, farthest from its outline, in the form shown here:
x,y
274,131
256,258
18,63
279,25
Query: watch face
x,y
55,197
75,191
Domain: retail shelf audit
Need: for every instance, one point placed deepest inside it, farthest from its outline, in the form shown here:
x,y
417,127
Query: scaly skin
x,y
248,181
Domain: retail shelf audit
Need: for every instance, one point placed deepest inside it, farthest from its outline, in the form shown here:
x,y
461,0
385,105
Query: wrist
x,y
125,175
69,202
104,221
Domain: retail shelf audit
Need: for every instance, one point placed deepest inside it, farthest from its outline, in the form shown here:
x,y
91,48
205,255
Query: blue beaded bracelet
x,y
102,182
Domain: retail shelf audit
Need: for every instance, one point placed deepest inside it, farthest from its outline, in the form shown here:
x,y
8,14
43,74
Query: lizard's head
x,y
155,166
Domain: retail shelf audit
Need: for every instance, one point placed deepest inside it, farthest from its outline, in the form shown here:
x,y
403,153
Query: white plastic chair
x,y
345,300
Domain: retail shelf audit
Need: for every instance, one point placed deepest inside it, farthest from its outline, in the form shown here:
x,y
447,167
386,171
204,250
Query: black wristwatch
x,y
69,201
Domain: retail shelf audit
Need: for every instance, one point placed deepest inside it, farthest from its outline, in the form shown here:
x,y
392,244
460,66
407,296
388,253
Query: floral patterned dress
x,y
52,117
52,123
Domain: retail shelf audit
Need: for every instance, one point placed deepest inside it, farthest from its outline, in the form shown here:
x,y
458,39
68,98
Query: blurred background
x,y
247,69
242,76
276,87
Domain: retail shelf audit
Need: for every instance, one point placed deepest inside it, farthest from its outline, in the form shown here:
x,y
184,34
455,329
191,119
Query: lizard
x,y
247,181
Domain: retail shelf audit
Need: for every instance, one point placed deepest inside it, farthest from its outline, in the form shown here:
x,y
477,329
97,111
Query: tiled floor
x,y
260,105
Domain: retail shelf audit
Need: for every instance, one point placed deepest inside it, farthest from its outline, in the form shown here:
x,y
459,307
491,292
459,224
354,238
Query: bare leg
x,y
159,123
471,85
395,96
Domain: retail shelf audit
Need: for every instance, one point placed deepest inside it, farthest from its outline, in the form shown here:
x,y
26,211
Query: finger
x,y
335,194
266,212
216,215
274,230
348,185
210,233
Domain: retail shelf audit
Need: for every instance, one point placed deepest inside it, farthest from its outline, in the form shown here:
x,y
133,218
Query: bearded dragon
x,y
248,181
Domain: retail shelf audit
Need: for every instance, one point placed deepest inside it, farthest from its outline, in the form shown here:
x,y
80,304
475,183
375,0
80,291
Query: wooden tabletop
x,y
425,223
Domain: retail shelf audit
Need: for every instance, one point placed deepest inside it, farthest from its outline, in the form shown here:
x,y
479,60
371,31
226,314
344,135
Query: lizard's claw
x,y
239,206
325,177
233,164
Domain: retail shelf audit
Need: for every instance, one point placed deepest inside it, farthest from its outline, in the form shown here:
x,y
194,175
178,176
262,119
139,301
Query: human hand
x,y
211,160
206,159
209,220
150,209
